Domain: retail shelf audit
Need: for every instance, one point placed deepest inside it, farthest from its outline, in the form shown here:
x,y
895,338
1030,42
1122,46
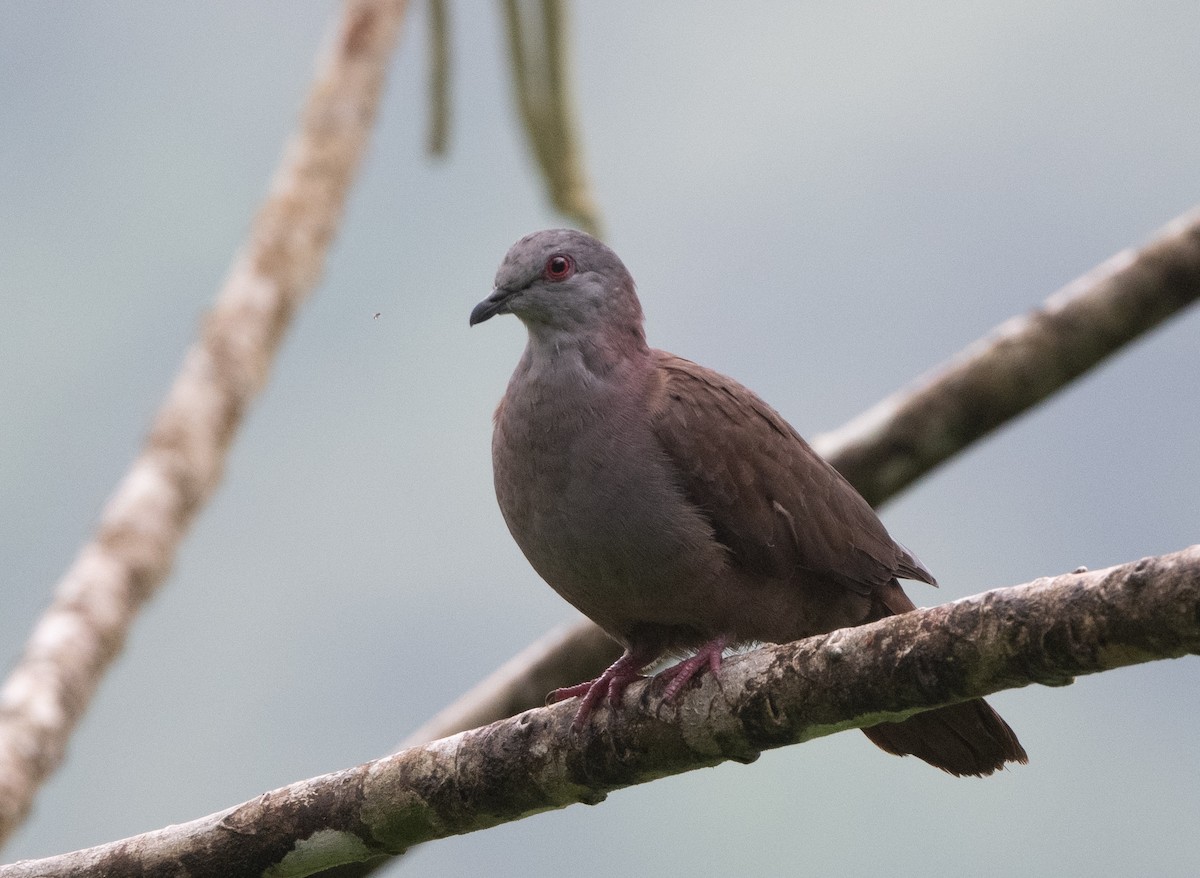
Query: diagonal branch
x,y
1019,364
568,652
1047,631
180,466
992,381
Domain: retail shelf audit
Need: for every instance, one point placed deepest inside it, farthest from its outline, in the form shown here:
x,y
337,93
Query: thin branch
x,y
1019,364
538,57
180,466
439,78
523,681
989,383
1047,632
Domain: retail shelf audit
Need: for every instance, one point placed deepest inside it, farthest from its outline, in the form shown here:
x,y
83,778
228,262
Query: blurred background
x,y
820,199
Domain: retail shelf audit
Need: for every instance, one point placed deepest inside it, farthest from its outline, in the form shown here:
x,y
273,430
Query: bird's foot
x,y
708,657
611,684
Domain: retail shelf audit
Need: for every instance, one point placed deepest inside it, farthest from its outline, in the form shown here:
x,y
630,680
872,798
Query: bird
x,y
678,510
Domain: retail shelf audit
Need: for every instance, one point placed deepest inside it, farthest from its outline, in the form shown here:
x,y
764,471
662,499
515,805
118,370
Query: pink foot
x,y
708,657
612,683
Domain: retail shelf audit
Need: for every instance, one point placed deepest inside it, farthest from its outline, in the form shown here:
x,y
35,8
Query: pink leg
x,y
708,657
612,683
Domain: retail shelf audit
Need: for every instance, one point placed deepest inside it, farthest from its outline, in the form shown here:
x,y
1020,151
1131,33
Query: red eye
x,y
559,267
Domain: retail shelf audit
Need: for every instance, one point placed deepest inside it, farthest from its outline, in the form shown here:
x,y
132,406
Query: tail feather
x,y
963,739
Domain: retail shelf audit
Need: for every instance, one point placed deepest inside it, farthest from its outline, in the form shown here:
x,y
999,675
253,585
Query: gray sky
x,y
822,200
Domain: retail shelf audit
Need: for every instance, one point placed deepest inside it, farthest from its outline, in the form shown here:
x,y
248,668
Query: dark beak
x,y
496,303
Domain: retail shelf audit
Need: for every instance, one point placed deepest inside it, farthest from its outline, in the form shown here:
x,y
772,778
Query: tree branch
x,y
1048,631
990,382
1018,364
180,466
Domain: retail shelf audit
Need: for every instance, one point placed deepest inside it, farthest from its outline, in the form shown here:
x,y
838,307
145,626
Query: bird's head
x,y
563,281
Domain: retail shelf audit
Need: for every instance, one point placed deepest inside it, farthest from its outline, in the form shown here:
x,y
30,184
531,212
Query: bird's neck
x,y
585,357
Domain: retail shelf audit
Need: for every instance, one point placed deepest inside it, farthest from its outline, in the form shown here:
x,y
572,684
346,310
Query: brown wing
x,y
776,505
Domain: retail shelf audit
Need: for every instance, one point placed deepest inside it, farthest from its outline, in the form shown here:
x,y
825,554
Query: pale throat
x,y
568,358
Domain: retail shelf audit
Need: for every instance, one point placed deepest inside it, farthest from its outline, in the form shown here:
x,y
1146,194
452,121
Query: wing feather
x,y
780,509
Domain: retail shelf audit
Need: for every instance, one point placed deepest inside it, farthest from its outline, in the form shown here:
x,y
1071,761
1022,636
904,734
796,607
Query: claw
x,y
708,657
569,692
612,683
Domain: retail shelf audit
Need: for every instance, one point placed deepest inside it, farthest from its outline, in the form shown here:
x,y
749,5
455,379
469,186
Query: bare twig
x,y
143,523
439,78
538,57
1048,632
992,381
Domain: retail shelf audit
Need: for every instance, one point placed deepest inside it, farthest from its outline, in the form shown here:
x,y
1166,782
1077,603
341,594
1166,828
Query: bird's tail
x,y
964,739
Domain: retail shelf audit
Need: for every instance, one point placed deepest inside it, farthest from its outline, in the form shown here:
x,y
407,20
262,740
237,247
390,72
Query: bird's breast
x,y
589,498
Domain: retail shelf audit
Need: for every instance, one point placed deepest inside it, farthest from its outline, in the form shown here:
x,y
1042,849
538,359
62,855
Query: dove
x,y
676,509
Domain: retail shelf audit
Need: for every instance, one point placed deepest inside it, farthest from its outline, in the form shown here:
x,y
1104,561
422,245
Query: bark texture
x,y
1048,631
